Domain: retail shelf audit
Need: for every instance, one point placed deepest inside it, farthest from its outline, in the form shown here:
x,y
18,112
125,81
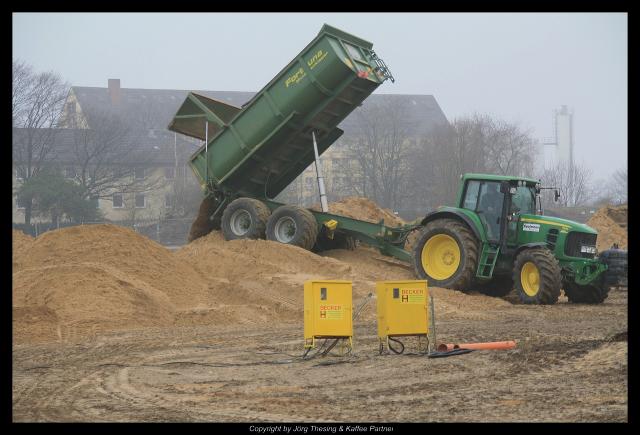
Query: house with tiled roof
x,y
164,155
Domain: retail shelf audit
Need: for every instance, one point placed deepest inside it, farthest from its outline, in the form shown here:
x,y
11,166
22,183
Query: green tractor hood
x,y
562,224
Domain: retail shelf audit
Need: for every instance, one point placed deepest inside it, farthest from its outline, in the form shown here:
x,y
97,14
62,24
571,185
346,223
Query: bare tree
x,y
509,150
381,150
573,180
37,100
618,186
102,157
476,143
444,154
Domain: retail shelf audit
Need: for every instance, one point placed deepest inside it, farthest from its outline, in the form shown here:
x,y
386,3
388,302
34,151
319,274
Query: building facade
x,y
158,159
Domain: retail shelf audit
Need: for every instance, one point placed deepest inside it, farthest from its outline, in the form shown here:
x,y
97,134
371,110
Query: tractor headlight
x,y
588,249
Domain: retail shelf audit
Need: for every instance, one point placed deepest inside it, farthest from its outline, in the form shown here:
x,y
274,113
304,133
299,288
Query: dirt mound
x,y
21,242
123,249
104,277
611,224
78,281
363,209
84,298
266,274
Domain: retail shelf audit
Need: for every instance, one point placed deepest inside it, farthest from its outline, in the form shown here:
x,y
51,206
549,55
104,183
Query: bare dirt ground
x,y
570,365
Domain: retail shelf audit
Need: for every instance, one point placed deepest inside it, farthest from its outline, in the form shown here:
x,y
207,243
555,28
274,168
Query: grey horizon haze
x,y
515,66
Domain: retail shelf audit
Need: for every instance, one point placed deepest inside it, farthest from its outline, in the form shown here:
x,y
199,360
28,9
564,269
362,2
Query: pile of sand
x,y
611,224
21,242
76,282
100,277
363,209
79,281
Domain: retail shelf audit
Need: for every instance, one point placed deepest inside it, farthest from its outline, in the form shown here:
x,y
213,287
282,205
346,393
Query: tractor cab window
x,y
489,208
471,195
524,200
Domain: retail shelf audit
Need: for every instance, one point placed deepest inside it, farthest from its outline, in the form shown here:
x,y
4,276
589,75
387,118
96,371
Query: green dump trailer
x,y
494,239
252,153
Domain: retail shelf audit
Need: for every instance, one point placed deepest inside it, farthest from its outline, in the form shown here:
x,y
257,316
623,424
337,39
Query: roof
x,y
493,177
146,108
155,108
147,148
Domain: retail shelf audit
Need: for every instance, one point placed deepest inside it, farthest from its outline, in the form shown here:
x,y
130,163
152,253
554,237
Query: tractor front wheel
x,y
537,276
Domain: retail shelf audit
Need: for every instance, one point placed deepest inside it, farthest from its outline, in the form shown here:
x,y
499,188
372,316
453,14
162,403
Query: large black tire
x,y
499,286
549,276
245,218
293,225
594,293
462,278
203,225
617,263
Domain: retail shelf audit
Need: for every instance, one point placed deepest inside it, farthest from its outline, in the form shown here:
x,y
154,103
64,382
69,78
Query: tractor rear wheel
x,y
293,225
245,218
537,276
446,254
586,294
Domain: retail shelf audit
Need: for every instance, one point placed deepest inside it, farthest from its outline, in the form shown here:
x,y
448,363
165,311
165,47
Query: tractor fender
x,y
452,214
529,245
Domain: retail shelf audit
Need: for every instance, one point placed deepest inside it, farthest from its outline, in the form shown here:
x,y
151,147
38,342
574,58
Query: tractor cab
x,y
498,201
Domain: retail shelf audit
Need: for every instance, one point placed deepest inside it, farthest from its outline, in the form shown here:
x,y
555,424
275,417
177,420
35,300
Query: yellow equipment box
x,y
402,308
327,311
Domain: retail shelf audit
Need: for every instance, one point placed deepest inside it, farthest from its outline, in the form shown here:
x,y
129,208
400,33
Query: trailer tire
x,y
203,225
451,242
537,276
293,225
586,294
245,218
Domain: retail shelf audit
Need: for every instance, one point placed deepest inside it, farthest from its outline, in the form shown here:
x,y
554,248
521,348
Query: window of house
x,y
20,174
169,173
20,203
138,173
140,200
118,201
70,172
95,201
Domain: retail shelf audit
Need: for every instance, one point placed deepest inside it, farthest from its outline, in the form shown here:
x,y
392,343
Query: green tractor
x,y
497,238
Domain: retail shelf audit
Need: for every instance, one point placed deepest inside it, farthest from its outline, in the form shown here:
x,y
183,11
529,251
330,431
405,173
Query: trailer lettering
x,y
316,59
295,77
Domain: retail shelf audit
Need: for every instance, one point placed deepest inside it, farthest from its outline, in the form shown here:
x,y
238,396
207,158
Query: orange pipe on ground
x,y
492,345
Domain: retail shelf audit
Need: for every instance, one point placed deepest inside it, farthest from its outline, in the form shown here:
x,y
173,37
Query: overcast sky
x,y
518,67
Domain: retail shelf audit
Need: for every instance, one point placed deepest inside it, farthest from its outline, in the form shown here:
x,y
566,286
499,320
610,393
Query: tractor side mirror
x,y
557,195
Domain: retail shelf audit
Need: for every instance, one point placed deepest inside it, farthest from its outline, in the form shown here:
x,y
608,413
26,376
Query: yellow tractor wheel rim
x,y
530,278
441,257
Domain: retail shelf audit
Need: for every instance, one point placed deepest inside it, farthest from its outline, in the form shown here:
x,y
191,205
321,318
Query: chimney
x,y
114,91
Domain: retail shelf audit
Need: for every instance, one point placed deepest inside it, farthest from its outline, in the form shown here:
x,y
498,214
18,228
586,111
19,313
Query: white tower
x,y
560,147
